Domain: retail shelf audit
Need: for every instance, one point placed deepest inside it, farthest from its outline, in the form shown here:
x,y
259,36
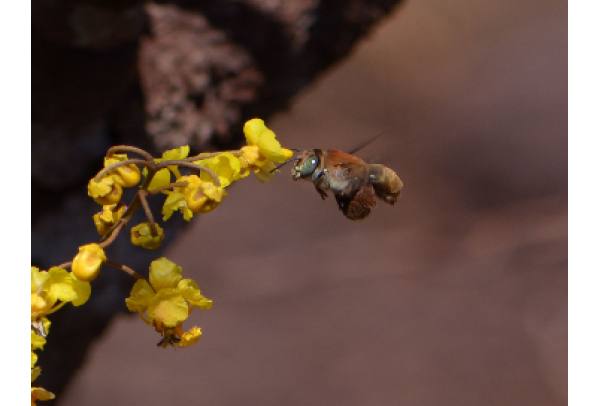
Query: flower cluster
x,y
262,150
166,299
109,188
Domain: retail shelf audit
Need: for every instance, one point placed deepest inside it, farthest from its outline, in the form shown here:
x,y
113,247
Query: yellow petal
x,y
35,372
83,290
226,166
140,296
190,337
253,129
265,173
172,203
37,342
164,274
176,154
60,285
191,292
161,178
168,308
270,147
37,279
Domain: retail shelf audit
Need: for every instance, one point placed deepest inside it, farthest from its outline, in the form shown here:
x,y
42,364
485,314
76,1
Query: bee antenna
x,y
286,162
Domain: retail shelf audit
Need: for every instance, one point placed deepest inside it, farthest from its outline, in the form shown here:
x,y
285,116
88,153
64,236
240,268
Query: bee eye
x,y
309,166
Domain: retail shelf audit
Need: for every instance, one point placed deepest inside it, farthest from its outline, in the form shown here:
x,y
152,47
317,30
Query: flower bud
x,y
126,175
107,218
86,264
141,235
105,192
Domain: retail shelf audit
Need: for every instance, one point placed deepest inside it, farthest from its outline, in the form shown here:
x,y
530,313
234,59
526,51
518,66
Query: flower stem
x,y
167,187
114,166
125,269
143,193
127,148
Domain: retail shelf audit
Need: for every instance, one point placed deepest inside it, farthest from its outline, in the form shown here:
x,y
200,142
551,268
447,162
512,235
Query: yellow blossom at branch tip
x,y
86,264
141,235
258,134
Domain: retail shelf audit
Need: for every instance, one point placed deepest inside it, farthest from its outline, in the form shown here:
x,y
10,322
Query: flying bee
x,y
354,183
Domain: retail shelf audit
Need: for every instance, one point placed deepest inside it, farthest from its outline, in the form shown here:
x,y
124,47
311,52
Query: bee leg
x,y
321,192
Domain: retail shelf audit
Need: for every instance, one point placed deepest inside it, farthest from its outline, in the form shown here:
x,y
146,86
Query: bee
x,y
355,184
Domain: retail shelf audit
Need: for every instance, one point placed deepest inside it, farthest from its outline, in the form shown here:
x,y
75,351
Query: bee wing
x,y
366,143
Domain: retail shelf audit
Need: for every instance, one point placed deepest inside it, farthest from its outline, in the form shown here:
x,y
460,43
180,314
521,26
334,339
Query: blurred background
x,y
457,295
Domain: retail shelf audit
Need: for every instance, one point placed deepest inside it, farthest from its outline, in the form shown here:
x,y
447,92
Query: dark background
x,y
455,296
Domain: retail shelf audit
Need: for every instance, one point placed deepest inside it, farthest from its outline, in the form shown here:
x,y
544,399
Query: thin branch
x,y
125,269
167,187
144,202
113,233
114,166
126,148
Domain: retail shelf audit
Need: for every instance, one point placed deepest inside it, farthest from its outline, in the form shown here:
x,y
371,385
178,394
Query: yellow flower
x,y
107,218
37,343
226,166
36,392
48,288
176,201
167,301
126,175
141,235
105,192
171,155
262,150
86,264
197,197
258,134
202,196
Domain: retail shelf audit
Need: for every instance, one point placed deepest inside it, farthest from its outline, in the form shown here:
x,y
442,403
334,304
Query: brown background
x,y
455,296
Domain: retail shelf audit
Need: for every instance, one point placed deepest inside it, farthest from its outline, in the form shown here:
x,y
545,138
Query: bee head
x,y
308,162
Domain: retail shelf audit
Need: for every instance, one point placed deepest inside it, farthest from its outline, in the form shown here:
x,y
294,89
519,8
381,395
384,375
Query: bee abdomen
x,y
386,183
